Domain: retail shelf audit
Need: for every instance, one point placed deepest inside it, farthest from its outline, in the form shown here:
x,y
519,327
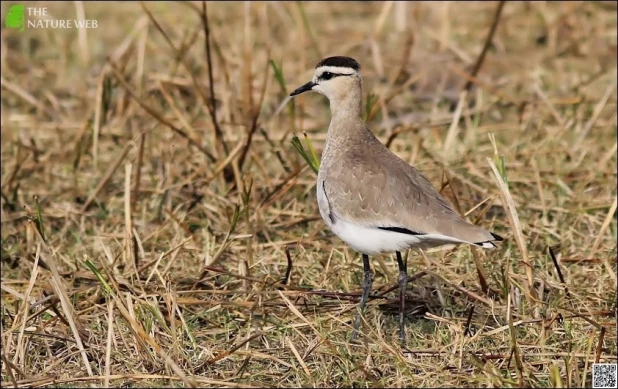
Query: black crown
x,y
339,62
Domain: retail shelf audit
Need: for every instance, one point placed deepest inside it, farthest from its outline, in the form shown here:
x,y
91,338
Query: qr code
x,y
604,375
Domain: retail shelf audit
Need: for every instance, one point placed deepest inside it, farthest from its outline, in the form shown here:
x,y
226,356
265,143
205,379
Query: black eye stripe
x,y
329,75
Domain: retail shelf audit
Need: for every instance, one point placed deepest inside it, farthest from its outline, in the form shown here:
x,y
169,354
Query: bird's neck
x,y
346,126
347,106
346,119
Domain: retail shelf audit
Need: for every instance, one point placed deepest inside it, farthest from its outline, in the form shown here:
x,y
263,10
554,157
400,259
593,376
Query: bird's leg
x,y
403,282
367,281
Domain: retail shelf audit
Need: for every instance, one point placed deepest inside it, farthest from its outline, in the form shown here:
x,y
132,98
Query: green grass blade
x,y
308,28
315,161
371,102
246,195
301,150
281,81
278,75
39,218
95,271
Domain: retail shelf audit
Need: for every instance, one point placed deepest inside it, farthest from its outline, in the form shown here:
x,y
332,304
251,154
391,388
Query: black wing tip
x,y
490,243
497,237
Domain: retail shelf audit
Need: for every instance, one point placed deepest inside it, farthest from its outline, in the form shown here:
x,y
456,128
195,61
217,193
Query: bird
x,y
370,198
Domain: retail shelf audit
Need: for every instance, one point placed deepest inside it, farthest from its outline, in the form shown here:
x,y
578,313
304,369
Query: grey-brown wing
x,y
386,194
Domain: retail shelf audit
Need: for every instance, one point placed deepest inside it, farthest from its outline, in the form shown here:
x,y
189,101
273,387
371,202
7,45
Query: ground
x,y
152,197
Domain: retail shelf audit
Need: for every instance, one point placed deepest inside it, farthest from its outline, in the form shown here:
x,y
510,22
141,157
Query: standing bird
x,y
369,197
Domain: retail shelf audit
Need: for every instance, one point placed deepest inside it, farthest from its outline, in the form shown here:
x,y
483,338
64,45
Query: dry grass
x,y
145,230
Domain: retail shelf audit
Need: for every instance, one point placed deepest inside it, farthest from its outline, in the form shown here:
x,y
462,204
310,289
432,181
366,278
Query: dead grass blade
x,y
475,254
300,360
453,131
10,366
108,175
511,211
381,19
27,97
465,291
20,350
595,114
6,183
558,271
69,313
82,33
80,143
131,249
256,115
108,348
513,335
138,172
211,82
226,354
181,118
490,35
98,117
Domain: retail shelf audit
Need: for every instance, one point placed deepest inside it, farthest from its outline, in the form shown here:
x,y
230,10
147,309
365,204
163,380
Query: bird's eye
x,y
327,75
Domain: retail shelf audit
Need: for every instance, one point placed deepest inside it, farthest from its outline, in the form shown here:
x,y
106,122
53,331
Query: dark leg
x,y
403,283
367,281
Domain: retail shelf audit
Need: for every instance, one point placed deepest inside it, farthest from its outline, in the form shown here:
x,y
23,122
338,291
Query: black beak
x,y
307,87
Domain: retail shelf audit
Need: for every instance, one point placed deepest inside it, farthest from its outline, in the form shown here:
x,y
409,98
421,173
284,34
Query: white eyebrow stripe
x,y
335,70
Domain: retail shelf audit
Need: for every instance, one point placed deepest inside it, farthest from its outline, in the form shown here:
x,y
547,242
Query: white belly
x,y
371,241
